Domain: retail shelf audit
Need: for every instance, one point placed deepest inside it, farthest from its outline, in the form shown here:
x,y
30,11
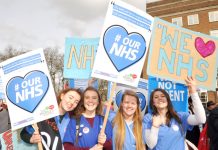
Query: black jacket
x,y
213,129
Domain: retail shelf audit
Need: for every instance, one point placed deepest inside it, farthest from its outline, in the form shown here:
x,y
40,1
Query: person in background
x,y
212,130
165,128
194,134
55,127
127,124
83,131
5,123
210,106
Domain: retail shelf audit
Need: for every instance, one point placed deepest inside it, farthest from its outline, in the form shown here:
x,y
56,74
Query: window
x,y
193,19
214,33
213,16
177,21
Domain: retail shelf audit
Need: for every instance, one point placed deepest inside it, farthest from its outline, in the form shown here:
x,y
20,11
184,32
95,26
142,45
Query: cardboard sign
x,y
79,57
123,44
28,88
176,53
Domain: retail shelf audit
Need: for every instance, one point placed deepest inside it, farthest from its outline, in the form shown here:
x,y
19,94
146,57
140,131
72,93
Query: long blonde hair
x,y
120,125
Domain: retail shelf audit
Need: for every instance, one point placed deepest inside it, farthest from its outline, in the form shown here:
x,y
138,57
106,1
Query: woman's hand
x,y
190,82
36,138
156,121
102,138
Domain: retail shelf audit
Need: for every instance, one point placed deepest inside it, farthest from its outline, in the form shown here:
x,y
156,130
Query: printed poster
x,y
28,89
79,57
176,53
123,44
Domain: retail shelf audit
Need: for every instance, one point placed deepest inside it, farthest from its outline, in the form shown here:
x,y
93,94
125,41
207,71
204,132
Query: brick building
x,y
196,15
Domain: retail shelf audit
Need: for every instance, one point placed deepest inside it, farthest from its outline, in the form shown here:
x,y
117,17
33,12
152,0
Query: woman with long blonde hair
x,y
127,124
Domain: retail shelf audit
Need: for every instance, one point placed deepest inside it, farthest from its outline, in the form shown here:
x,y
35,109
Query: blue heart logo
x,y
122,48
27,92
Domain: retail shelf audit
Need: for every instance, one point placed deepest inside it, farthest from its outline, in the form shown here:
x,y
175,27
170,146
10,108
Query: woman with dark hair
x,y
54,128
83,131
165,128
127,124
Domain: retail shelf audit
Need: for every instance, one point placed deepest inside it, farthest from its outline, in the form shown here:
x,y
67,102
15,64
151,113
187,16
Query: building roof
x,y
165,7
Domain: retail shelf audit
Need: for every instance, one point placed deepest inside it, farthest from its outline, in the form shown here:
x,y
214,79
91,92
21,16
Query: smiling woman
x,y
166,128
127,124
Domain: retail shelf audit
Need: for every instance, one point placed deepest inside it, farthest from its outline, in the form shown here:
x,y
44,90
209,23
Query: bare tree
x,y
10,52
55,63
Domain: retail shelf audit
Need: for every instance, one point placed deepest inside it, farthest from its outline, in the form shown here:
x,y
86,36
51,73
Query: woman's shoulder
x,y
147,117
183,114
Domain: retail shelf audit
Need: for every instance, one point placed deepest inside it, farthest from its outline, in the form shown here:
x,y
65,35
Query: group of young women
x,y
126,129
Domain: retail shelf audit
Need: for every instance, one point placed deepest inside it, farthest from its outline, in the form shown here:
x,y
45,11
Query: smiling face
x,y
69,100
91,100
129,105
160,100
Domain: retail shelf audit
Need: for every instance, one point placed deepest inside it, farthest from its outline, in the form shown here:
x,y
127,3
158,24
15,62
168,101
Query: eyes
x,y
91,97
72,98
159,96
129,102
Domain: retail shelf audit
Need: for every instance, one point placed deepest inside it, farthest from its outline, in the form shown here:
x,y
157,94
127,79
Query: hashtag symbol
x,y
117,38
16,87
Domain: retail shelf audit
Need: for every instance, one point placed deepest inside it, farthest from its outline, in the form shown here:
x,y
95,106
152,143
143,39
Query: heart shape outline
x,y
204,49
10,92
108,39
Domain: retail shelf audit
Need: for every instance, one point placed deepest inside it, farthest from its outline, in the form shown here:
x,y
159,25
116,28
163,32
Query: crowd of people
x,y
79,125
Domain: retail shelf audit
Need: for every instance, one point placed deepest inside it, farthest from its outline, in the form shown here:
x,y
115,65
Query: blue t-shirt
x,y
87,135
170,137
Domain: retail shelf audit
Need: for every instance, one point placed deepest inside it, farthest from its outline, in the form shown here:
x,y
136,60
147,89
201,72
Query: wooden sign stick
x,y
35,127
108,107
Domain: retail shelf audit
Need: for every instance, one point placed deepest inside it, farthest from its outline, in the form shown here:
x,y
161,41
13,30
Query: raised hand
x,y
190,82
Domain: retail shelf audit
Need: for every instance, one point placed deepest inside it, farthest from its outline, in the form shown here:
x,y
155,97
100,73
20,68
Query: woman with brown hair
x,y
127,124
54,128
165,128
83,131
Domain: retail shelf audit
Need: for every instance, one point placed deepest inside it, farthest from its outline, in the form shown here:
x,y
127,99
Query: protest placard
x,y
79,57
178,92
123,44
28,88
10,141
176,53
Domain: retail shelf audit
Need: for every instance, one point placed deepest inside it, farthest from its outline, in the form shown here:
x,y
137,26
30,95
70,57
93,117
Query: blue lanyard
x,y
63,124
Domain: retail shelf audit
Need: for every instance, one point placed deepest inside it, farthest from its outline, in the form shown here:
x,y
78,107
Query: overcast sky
x,y
32,24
